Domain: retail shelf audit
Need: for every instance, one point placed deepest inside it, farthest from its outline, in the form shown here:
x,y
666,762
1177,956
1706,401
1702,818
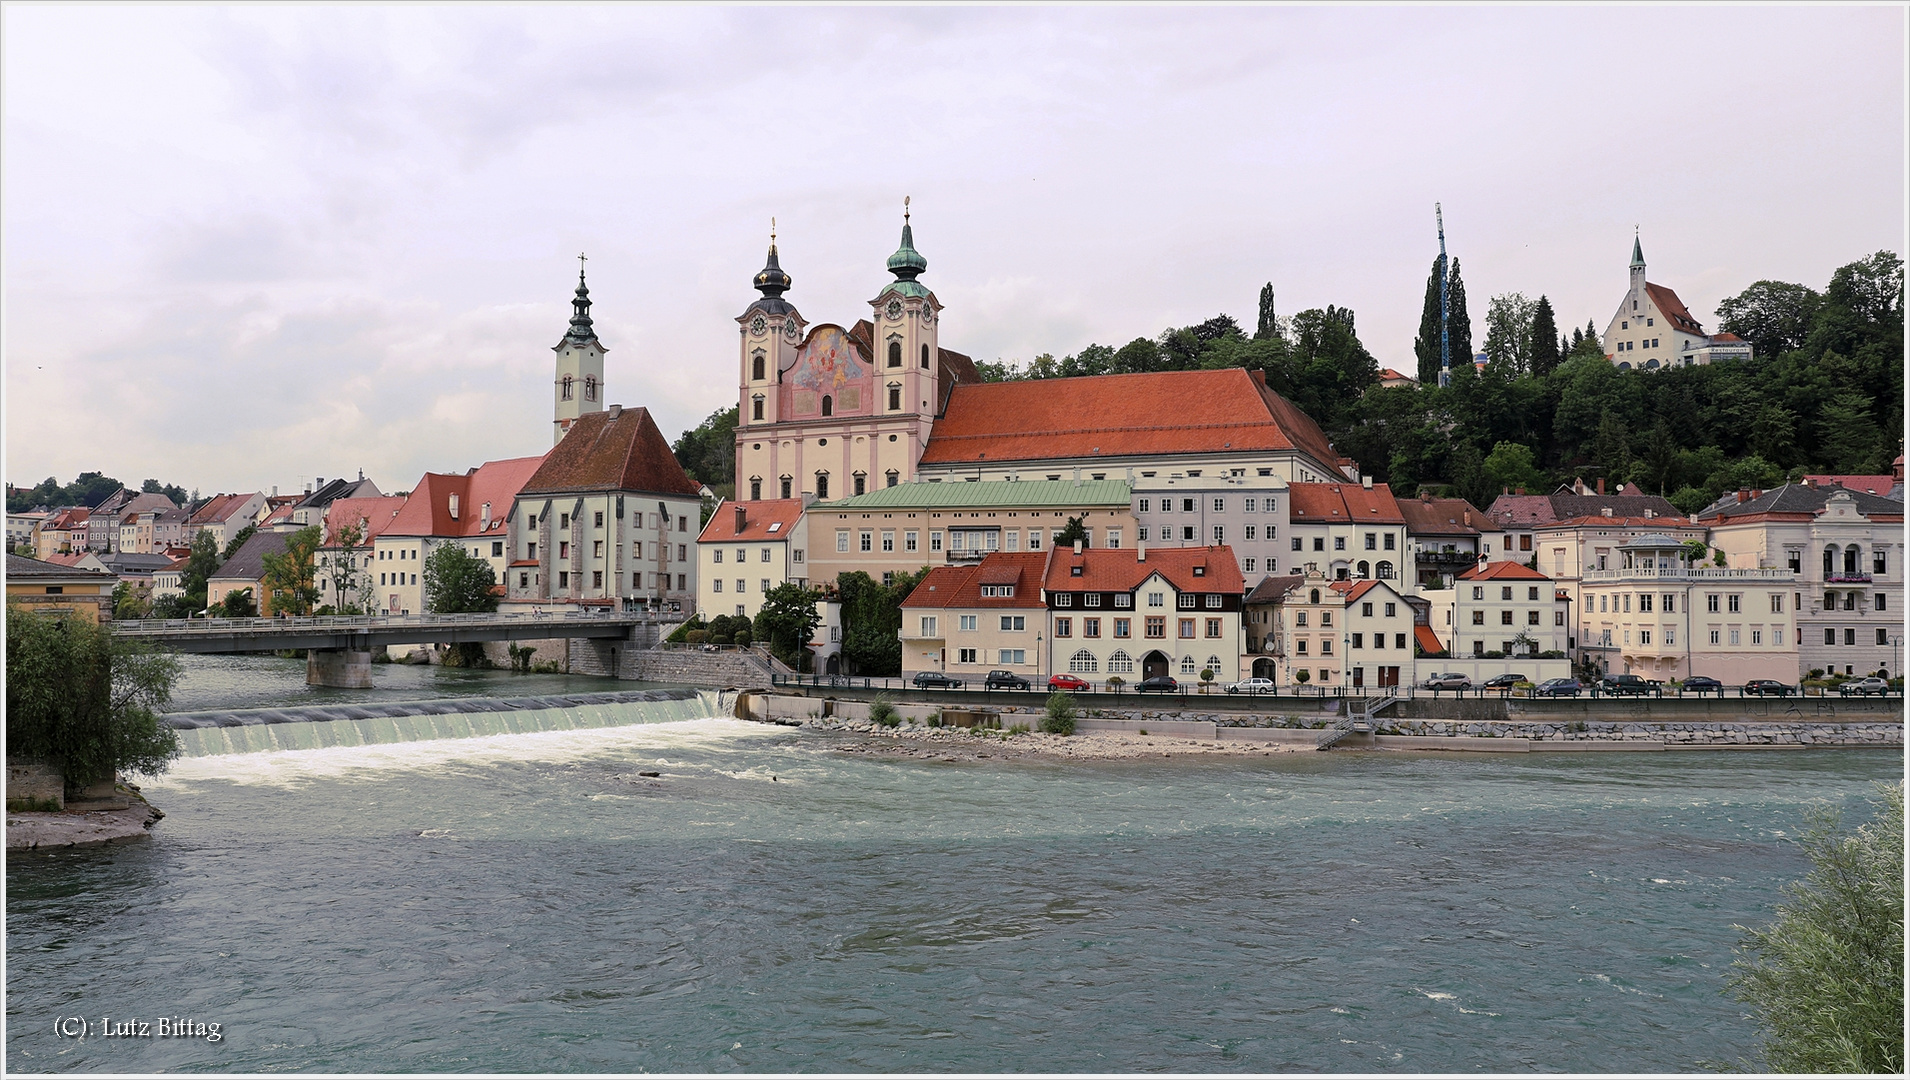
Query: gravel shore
x,y
958,744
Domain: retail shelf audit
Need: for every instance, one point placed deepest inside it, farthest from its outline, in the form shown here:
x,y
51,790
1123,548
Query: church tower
x,y
905,320
1637,272
772,329
579,386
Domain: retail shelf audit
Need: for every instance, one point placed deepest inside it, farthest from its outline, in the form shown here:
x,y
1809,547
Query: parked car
x,y
1767,688
1558,688
1252,686
1159,684
1451,680
1627,686
1006,680
935,680
1067,682
1865,687
1503,682
1702,684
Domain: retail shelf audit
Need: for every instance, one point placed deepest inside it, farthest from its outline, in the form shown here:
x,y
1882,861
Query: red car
x,y
1067,682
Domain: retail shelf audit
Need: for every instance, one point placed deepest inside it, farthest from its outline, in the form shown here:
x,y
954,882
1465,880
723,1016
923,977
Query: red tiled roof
x,y
759,517
65,560
1353,589
1272,589
1428,641
1869,485
1122,569
1444,517
960,586
376,512
1673,308
220,508
615,450
1726,337
1338,503
427,512
1616,522
1503,571
1169,412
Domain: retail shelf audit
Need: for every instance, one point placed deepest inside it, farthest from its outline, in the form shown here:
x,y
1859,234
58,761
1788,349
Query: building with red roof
x,y
1346,531
968,619
62,534
225,516
1652,328
745,550
608,518
1145,611
1339,632
470,509
347,559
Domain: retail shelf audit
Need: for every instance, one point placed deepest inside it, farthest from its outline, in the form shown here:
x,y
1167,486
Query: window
x,y
1850,636
1120,663
924,356
1213,628
1083,663
596,549
1390,538
1143,507
1366,610
1299,618
1531,618
786,481
865,541
1339,543
1013,656
1505,618
1644,637
1733,601
1156,626
967,656
682,552
1359,641
1830,636
1123,628
1319,543
1711,602
1372,541
1883,637
1063,599
895,396
888,541
1090,628
1878,563
1296,544
1186,665
895,354
1249,567
1879,605
828,405
1014,622
563,579
590,388
497,549
1735,636
1326,646
563,549
568,392
842,539
1155,599
1478,618
928,626
861,483
1187,628
756,368
968,621
1714,636
1644,601
1478,592
563,521
597,520
1187,506
1220,505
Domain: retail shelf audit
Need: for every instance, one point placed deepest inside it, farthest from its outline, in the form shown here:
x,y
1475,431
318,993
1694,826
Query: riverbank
x,y
924,743
127,818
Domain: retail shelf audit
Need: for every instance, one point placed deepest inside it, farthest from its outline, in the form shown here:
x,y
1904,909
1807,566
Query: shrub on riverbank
x,y
1825,980
85,702
882,711
1058,718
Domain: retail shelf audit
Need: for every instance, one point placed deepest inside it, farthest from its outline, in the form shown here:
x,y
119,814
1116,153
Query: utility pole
x,y
1445,346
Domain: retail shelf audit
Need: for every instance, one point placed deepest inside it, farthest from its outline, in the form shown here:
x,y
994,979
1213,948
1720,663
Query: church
x,y
1653,329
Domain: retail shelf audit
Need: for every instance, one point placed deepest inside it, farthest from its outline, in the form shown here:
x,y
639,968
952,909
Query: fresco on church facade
x,y
827,367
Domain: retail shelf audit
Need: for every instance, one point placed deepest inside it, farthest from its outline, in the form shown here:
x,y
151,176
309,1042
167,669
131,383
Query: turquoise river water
x,y
529,900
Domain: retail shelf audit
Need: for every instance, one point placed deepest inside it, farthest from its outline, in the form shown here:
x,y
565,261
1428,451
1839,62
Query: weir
x,y
248,731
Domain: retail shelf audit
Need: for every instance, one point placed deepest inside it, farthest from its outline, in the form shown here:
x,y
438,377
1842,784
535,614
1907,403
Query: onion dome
x,y
580,332
907,262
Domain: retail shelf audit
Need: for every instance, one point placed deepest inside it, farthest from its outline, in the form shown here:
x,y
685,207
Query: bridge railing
x,y
363,622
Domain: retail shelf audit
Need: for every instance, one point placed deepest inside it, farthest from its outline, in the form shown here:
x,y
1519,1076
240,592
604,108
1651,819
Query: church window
x,y
756,366
756,407
893,477
755,488
568,393
924,357
828,405
822,481
895,396
786,482
895,354
590,388
862,483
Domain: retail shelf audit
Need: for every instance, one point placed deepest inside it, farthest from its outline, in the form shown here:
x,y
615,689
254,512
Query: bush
x,y
882,711
1018,729
719,639
1058,719
742,637
935,719
1825,980
1303,676
697,637
1206,675
85,702
1115,682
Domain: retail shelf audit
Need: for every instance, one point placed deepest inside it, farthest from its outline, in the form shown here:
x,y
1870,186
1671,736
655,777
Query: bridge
x,y
339,647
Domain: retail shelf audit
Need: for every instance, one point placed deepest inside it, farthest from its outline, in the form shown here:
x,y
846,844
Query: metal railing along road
x,y
363,622
1295,690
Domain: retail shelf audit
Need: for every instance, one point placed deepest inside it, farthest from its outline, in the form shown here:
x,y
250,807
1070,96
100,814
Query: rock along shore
x,y
127,818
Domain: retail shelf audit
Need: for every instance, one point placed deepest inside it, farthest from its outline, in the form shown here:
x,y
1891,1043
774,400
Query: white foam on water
x,y
298,768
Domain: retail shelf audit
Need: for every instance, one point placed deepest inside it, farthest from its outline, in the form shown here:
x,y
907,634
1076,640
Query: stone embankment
x,y
124,817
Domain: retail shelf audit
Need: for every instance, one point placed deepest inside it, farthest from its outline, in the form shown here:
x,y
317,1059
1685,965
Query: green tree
x,y
339,570
1545,352
1510,465
456,581
1268,324
1509,333
238,604
200,566
85,701
131,601
1426,344
290,581
1825,980
787,620
1071,533
1611,449
872,620
238,541
1458,322
708,451
1774,316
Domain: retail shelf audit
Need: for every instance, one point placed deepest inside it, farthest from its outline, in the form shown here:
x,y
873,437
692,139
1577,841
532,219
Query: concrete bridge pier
x,y
348,669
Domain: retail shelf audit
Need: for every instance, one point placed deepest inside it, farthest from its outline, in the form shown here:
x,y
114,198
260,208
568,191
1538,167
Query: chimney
x,y
275,491
1521,490
616,411
1140,553
1077,549
1601,487
1425,497
742,518
1366,481
1744,495
1756,494
1505,491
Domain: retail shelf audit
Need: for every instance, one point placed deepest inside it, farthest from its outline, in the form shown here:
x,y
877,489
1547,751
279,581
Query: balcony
x,y
1691,573
1446,558
1846,578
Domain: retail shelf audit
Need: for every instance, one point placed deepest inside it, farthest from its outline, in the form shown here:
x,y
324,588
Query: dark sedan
x,y
1558,688
1767,688
1159,684
935,680
1702,684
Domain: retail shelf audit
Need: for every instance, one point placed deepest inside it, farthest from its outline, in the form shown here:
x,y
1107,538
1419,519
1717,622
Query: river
x,y
533,901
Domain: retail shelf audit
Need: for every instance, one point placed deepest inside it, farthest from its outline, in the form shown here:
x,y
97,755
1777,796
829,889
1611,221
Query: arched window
x,y
756,407
786,482
1366,571
1624,365
755,488
1313,596
1213,664
1083,663
568,391
925,356
1186,665
590,388
895,354
756,366
895,395
1850,559
822,481
828,405
862,483
893,477
1120,663
1385,570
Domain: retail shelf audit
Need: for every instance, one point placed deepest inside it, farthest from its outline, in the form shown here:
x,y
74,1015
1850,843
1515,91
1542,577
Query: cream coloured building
x,y
969,619
1656,616
1653,329
1342,633
746,549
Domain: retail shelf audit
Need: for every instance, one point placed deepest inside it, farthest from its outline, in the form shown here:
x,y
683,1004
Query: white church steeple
x,y
579,386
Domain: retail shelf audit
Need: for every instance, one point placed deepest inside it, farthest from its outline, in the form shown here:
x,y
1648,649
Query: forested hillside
x,y
1824,394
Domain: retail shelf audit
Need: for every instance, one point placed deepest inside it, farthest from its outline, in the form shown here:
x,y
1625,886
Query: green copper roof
x,y
987,495
907,262
1637,252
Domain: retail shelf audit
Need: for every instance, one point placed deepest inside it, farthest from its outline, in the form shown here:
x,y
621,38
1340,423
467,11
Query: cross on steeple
x,y
580,266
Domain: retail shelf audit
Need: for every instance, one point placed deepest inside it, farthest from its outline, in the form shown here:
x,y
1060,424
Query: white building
x,y
746,549
1652,328
1659,617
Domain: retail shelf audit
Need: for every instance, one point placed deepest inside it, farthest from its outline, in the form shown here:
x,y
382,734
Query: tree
x,y
455,581
1774,316
85,701
1268,324
290,581
1509,333
872,620
339,569
1426,345
1545,350
238,604
1611,448
708,451
787,620
200,566
1458,322
1073,532
1510,465
238,541
1825,980
132,601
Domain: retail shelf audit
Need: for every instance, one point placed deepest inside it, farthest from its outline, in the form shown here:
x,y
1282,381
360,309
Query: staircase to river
x,y
1358,716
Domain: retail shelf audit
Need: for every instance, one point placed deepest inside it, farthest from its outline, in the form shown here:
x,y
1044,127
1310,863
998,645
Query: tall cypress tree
x,y
1426,345
1268,326
1545,350
1458,323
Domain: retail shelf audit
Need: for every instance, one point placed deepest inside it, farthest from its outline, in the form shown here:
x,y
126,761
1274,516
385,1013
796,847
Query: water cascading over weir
x,y
247,731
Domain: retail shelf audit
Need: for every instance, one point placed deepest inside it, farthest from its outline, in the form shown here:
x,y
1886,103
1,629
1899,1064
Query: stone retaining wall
x,y
714,670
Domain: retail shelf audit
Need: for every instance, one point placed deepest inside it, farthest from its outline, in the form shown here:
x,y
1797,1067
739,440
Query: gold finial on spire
x,y
905,209
772,230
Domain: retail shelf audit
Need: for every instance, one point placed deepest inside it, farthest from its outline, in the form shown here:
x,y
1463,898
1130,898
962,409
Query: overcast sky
x,y
247,246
